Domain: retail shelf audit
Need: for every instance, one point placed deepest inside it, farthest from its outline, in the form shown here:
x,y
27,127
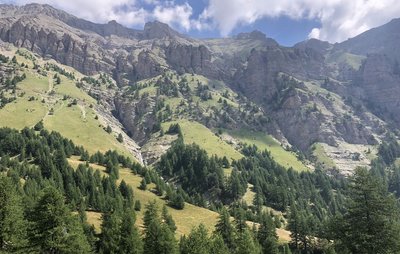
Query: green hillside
x,y
185,219
63,107
194,132
263,141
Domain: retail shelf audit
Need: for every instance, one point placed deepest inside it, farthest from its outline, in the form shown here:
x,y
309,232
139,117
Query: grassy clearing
x,y
74,161
248,197
284,235
322,157
68,87
264,141
82,128
151,90
353,60
22,113
94,218
173,102
194,132
34,84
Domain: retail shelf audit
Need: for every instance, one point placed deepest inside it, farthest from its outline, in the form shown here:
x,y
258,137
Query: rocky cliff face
x,y
137,117
379,79
93,48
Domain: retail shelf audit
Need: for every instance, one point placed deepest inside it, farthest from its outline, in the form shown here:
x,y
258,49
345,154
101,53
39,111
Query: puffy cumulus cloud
x,y
339,19
126,12
175,15
97,11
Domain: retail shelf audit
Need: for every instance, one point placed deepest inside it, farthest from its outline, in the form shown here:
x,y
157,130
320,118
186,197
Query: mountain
x,y
332,104
379,40
112,123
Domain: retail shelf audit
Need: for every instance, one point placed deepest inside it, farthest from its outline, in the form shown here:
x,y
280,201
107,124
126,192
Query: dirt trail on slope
x,y
83,111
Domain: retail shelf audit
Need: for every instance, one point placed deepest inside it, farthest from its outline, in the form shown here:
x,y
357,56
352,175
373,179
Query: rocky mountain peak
x,y
315,44
384,39
254,35
44,9
114,28
257,36
158,30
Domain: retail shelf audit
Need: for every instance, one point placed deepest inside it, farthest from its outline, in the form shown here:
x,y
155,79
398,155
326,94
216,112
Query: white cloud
x,y
98,11
177,15
340,19
126,12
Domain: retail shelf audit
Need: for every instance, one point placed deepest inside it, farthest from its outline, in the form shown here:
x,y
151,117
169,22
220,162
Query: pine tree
x,y
286,249
167,243
197,242
130,243
177,201
89,230
120,138
218,245
158,238
54,229
12,223
138,205
84,156
112,169
258,200
167,218
240,220
225,229
245,244
110,233
235,186
266,235
294,226
108,129
147,177
143,184
225,162
127,193
39,126
159,188
371,223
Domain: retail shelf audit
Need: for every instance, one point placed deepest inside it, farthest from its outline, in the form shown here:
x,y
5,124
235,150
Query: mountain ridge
x,y
320,88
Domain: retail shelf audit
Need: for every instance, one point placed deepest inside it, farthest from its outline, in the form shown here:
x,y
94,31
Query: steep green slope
x,y
194,132
263,141
62,107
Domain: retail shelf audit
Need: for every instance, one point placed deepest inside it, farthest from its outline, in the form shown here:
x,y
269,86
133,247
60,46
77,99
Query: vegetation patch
x,y
263,141
82,128
194,132
319,153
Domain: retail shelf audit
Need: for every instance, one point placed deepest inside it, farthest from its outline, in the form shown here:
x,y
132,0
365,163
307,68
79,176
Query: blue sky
x,y
287,21
285,30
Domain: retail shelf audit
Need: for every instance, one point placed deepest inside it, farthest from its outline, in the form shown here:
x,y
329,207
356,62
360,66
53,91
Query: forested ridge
x,y
44,202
